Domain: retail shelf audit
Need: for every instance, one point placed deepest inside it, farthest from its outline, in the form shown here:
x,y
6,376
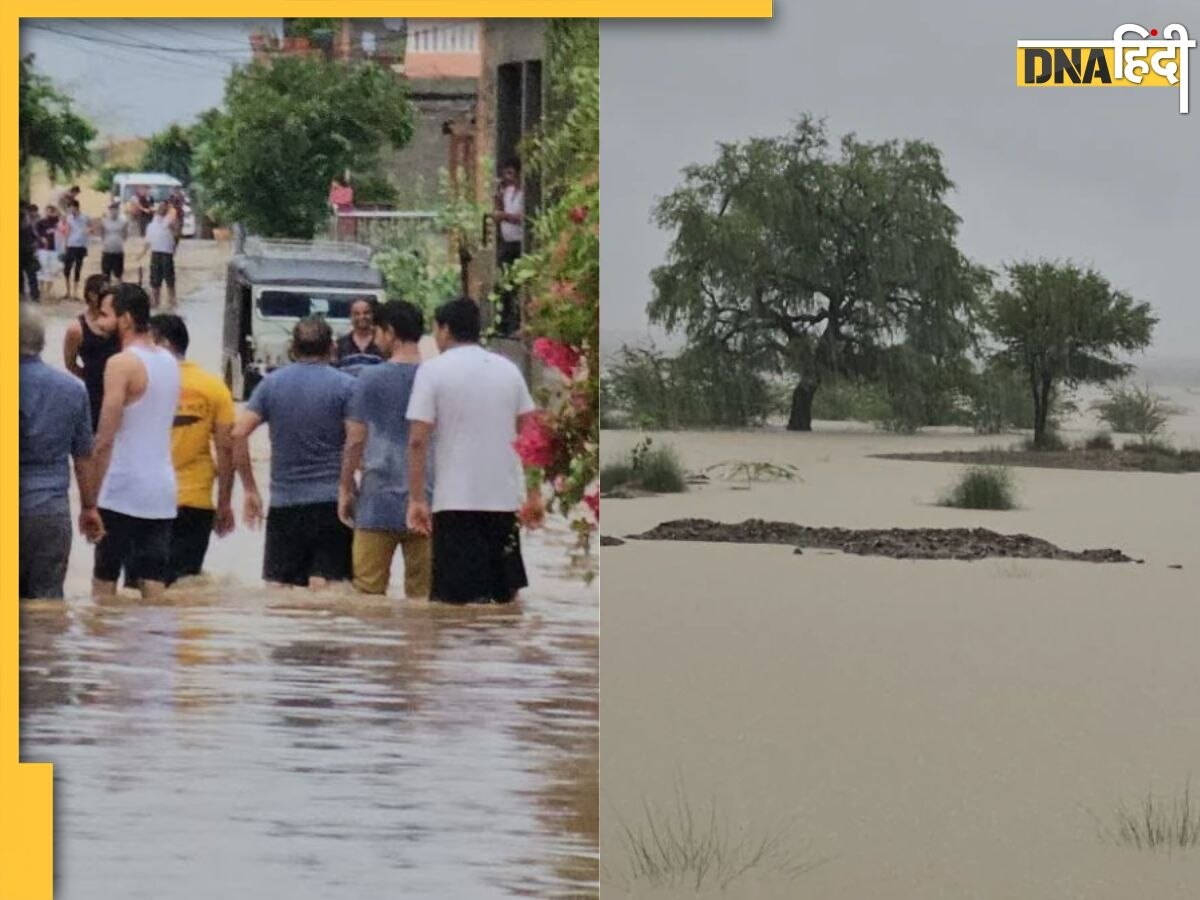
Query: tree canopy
x,y
815,263
287,128
170,151
1059,325
50,129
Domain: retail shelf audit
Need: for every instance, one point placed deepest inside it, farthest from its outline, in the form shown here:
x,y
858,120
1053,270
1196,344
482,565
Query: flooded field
x,y
243,741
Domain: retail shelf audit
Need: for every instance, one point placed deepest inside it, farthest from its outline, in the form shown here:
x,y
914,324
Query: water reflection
x,y
243,741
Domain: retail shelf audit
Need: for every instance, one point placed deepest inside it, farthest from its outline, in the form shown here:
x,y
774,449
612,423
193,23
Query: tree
x,y
50,129
287,128
170,152
1061,325
814,262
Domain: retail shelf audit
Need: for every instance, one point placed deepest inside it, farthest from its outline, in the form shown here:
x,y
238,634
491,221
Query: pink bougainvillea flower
x,y
536,444
556,355
579,214
592,499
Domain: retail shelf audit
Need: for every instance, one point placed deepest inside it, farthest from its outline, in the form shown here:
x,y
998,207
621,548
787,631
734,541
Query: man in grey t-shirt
x,y
114,230
377,445
56,426
304,405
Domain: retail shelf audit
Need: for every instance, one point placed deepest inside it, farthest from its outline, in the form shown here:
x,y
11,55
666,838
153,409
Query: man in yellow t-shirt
x,y
202,431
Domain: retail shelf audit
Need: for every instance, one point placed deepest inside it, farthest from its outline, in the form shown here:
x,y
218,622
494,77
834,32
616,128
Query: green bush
x,y
851,400
982,487
1129,409
646,467
702,387
997,399
1099,441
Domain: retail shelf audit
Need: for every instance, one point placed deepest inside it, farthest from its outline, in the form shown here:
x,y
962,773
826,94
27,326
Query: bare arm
x,y
223,445
71,343
420,519
252,507
352,454
117,374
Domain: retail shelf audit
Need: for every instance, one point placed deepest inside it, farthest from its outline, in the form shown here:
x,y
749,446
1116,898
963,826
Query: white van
x,y
159,186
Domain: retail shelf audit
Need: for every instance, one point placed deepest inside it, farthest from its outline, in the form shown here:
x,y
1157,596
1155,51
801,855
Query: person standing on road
x,y
114,231
78,228
49,264
87,347
304,404
203,430
160,243
377,444
475,402
133,447
357,346
54,429
28,258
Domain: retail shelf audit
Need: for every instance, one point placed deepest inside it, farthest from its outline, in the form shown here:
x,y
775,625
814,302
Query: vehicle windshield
x,y
296,303
156,192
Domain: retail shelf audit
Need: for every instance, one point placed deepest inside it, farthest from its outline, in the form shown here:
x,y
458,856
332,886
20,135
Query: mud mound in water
x,y
897,543
607,541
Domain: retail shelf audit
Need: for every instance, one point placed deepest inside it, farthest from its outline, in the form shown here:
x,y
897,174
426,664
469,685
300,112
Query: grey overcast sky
x,y
136,76
1107,177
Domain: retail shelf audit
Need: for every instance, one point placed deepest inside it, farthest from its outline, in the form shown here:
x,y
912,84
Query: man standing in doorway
x,y
133,447
203,430
160,242
377,444
510,213
304,404
55,426
474,402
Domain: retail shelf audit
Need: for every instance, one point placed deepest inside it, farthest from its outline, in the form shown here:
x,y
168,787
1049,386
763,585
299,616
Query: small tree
x,y
170,152
50,130
1130,409
287,128
1061,325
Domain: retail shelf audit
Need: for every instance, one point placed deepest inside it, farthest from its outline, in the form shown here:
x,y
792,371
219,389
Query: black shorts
x,y
73,259
45,547
142,547
112,265
162,268
306,541
477,557
189,541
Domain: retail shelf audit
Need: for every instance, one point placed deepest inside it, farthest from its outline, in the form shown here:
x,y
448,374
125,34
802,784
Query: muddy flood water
x,y
236,740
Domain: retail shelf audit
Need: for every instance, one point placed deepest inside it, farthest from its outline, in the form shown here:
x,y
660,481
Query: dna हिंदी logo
x,y
1134,57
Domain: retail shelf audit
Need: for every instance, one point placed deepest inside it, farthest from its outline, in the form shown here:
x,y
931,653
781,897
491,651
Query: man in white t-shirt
x,y
475,402
160,242
510,214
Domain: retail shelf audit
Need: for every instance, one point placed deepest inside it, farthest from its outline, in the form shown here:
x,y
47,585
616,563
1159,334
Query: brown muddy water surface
x,y
238,741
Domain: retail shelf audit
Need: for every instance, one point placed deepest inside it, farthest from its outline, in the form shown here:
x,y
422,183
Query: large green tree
x,y
50,130
1059,325
286,129
820,262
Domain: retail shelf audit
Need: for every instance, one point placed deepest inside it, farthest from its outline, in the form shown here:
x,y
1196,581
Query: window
x,y
296,304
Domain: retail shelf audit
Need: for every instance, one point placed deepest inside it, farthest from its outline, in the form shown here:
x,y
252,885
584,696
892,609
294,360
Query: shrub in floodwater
x,y
1156,824
1102,440
1052,441
1159,456
1130,409
679,846
982,487
647,467
751,471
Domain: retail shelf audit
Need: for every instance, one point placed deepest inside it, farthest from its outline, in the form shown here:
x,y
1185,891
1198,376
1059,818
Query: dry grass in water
x,y
1157,824
681,846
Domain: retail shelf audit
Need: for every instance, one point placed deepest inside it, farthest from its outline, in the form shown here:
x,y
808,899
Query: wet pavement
x,y
237,740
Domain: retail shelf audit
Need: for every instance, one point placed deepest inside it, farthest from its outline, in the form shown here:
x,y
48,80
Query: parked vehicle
x,y
159,186
271,285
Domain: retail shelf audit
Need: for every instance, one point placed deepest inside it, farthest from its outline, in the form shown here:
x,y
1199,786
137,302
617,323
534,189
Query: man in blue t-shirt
x,y
304,405
56,427
377,445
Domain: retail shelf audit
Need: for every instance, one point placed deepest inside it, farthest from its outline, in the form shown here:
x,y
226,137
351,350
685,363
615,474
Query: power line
x,y
168,26
153,53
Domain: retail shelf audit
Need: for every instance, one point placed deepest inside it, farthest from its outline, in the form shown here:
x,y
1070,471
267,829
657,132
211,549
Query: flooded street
x,y
242,741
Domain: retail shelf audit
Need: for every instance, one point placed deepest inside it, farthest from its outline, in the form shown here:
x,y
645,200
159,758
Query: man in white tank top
x,y
133,450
